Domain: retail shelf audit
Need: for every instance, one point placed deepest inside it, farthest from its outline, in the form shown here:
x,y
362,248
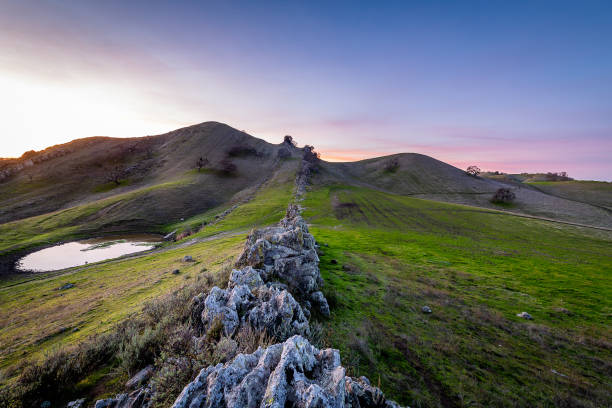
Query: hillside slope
x,y
421,176
67,196
597,193
78,173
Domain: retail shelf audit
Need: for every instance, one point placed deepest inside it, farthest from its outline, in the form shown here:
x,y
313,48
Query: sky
x,y
506,85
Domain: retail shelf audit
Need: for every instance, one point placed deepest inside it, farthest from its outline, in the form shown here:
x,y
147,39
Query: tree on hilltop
x,y
288,140
473,171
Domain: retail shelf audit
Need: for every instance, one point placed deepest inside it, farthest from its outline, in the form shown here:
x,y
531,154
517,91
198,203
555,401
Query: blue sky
x,y
506,85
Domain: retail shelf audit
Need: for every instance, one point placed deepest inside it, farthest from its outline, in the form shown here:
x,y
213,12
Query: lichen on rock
x,y
293,373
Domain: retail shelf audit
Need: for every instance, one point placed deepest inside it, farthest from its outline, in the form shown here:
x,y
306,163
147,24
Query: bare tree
x,y
201,163
473,171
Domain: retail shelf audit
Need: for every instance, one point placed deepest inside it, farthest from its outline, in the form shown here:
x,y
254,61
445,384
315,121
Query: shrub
x,y
503,196
392,165
140,348
249,339
242,151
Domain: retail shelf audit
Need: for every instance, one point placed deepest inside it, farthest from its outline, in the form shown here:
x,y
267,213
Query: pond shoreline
x,y
9,261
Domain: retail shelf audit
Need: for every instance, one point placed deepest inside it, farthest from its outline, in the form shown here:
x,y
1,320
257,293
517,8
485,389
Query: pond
x,y
79,253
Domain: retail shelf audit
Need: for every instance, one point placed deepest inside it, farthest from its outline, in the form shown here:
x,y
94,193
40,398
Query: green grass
x,y
267,207
67,224
109,292
102,188
35,316
476,269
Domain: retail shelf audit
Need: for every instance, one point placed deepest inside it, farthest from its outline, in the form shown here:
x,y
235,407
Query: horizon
x,y
508,87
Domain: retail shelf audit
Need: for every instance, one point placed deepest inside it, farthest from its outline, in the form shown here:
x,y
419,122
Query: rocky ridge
x,y
275,289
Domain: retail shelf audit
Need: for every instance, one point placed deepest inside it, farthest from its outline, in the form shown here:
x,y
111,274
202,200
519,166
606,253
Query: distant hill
x,y
421,176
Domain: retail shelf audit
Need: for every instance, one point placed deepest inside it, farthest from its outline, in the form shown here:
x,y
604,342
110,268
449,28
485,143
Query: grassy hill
x,y
396,235
597,193
68,196
421,176
386,256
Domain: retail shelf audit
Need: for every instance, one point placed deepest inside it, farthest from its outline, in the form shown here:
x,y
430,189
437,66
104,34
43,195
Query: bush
x,y
161,334
242,151
392,165
503,196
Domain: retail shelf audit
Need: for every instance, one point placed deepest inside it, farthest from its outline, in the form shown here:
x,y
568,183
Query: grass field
x,y
109,292
476,270
68,223
36,316
392,255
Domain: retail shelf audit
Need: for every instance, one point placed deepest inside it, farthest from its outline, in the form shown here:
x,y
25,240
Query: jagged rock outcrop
x,y
248,300
275,288
286,253
293,373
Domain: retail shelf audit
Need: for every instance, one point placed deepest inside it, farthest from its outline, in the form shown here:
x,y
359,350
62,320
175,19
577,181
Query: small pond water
x,y
83,252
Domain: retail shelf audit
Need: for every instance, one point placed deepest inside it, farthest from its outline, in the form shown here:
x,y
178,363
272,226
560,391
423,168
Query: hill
x,y
392,240
598,193
68,195
421,176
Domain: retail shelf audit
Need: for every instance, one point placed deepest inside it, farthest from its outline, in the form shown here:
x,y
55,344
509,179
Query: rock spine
x,y
276,288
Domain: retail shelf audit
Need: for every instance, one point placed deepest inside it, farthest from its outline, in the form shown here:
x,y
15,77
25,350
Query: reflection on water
x,y
84,252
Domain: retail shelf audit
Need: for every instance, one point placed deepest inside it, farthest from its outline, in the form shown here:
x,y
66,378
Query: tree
x,y
115,174
288,140
473,171
310,155
201,163
503,196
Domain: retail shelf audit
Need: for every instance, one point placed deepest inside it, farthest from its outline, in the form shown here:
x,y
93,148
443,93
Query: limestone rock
x,y
287,253
139,378
268,309
170,237
293,373
80,403
140,398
